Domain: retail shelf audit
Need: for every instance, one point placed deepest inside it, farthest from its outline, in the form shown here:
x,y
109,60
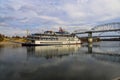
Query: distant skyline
x,y
16,16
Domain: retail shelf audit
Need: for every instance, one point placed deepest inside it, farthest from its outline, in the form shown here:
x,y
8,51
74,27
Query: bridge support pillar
x,y
89,47
90,39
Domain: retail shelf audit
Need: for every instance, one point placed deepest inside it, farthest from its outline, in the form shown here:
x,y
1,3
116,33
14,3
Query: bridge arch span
x,y
107,26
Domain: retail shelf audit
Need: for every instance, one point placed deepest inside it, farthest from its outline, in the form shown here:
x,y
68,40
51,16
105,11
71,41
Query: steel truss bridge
x,y
103,28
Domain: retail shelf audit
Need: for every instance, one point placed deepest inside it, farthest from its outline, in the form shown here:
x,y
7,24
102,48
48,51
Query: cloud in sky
x,y
69,14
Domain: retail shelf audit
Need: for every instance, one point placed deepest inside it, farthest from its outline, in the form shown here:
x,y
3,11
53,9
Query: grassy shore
x,y
13,41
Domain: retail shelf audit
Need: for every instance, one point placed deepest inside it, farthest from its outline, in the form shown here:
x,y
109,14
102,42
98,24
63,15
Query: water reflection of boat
x,y
52,51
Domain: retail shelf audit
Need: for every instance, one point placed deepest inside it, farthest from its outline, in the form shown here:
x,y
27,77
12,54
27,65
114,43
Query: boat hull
x,y
45,44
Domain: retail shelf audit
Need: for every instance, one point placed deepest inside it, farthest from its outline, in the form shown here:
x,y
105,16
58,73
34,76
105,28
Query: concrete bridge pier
x,y
90,39
90,47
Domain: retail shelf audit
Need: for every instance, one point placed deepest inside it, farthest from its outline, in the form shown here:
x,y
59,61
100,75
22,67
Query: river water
x,y
98,61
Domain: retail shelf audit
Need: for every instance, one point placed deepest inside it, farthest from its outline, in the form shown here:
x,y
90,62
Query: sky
x,y
17,16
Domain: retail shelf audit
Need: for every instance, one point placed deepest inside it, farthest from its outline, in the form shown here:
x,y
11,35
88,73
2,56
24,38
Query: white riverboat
x,y
52,38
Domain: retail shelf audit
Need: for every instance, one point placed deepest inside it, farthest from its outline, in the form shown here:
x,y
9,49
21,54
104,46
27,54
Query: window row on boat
x,y
38,38
63,35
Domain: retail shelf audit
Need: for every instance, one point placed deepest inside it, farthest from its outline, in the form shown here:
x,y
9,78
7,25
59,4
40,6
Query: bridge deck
x,y
92,31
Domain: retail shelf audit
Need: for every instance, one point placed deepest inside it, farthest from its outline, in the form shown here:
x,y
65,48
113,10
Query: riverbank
x,y
12,42
9,44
